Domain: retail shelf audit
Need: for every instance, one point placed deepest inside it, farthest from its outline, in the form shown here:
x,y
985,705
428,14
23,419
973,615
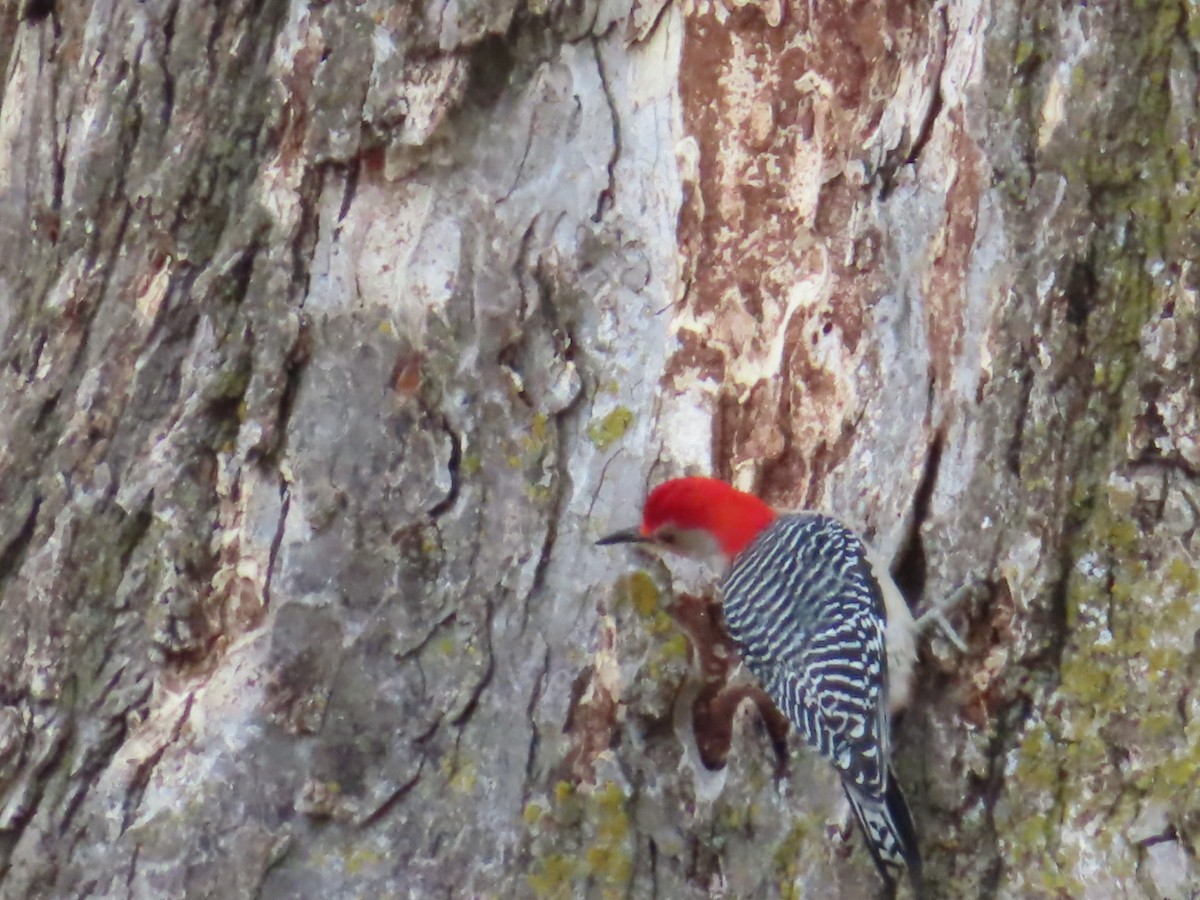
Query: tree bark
x,y
334,334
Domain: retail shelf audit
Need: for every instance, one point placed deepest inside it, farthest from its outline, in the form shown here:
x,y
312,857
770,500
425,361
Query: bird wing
x,y
808,615
833,696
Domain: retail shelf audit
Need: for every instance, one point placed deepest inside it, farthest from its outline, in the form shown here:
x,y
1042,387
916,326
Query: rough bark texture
x,y
333,334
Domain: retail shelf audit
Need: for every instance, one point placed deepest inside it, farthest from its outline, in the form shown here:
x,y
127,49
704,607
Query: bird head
x,y
697,517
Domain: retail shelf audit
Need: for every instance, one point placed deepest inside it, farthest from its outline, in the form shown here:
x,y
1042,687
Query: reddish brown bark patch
x,y
720,698
949,269
780,113
591,725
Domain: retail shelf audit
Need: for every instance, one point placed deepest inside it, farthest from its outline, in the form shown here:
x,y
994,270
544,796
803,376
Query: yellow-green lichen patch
x,y
1110,706
737,815
605,432
582,836
554,876
535,442
1184,576
430,544
1113,724
1036,768
563,792
671,657
675,648
533,813
360,858
459,774
1024,51
639,591
530,449
540,494
787,858
609,855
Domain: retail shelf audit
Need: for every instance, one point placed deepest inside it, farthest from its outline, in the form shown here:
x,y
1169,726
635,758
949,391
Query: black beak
x,y
628,536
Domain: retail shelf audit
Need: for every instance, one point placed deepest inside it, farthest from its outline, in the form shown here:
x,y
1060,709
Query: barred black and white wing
x,y
809,617
803,605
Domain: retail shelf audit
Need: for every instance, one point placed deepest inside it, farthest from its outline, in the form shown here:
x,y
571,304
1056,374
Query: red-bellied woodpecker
x,y
821,626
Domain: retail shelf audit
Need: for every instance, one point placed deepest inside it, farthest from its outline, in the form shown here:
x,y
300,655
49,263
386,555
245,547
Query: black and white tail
x,y
890,836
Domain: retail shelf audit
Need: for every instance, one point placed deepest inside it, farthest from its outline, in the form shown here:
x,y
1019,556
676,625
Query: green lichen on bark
x,y
606,431
1104,738
582,842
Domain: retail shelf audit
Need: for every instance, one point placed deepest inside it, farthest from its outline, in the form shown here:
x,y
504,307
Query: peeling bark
x,y
333,335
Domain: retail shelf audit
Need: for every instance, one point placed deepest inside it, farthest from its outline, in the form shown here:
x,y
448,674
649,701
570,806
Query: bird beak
x,y
627,536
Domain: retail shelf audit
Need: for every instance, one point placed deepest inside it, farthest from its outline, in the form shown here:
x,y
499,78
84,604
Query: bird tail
x,y
890,836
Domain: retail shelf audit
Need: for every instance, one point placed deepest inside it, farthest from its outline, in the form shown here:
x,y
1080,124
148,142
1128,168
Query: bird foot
x,y
936,615
839,828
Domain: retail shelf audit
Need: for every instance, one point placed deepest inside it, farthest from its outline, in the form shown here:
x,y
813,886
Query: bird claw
x,y
839,827
936,615
939,619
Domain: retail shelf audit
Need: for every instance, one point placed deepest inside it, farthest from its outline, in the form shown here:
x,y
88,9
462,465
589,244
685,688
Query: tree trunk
x,y
334,334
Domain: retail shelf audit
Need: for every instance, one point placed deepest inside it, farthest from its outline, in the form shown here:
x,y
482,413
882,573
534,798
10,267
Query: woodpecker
x,y
823,628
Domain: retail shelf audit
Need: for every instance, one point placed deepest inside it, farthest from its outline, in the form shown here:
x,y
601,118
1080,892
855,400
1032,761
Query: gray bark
x,y
334,334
